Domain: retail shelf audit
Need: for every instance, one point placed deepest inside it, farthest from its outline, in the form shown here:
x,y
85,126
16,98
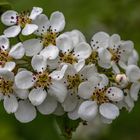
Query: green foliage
x,y
67,126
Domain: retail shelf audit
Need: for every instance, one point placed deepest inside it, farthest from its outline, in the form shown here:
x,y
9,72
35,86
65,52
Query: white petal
x,y
114,94
122,65
53,64
104,58
17,51
9,66
70,70
57,21
104,80
10,104
106,121
70,102
58,90
134,91
4,43
21,93
7,75
59,74
35,12
64,43
29,29
59,111
9,17
37,96
109,111
82,50
88,110
100,40
85,90
12,31
43,24
32,46
127,46
38,63
48,106
73,115
88,71
78,66
130,102
115,67
133,73
134,57
50,52
76,37
23,80
26,112
114,41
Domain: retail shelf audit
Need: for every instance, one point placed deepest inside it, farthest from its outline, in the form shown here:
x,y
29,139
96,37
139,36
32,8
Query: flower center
x,y
68,58
6,86
49,37
42,79
115,54
73,81
93,58
23,19
99,96
4,57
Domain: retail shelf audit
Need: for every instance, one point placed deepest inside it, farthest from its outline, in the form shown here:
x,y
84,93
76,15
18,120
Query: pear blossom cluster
x,y
51,71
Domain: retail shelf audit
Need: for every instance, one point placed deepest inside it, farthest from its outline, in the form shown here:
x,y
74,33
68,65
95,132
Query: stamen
x,y
42,79
99,96
4,57
68,58
23,19
49,37
6,86
93,58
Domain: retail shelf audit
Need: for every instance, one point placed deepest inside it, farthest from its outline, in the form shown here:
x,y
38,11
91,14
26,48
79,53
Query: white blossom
x,y
9,54
20,21
99,99
47,33
39,81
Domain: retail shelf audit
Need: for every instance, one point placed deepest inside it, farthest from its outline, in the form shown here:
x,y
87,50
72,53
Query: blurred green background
x,y
89,16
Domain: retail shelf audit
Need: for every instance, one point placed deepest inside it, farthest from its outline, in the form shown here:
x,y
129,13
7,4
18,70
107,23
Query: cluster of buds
x,y
60,73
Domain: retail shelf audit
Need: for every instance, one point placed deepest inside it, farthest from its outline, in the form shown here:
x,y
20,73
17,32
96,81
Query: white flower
x,y
42,83
70,54
19,21
7,54
120,51
100,55
9,92
72,79
133,73
99,99
110,51
47,33
133,58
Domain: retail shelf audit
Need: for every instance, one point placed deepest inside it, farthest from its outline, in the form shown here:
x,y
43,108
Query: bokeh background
x,y
89,16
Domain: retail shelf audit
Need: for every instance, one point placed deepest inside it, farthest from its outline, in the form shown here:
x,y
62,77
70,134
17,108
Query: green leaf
x,y
4,5
67,126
